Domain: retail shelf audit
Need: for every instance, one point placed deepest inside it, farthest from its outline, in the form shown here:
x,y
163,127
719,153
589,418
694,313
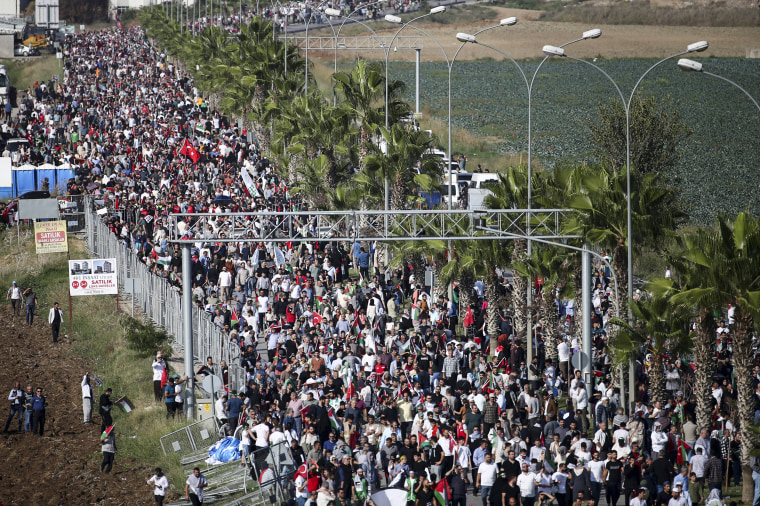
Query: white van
x,y
459,181
479,178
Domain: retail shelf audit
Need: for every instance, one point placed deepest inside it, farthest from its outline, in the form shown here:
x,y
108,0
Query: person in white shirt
x,y
160,485
639,499
487,472
158,374
596,470
527,484
87,398
261,431
560,479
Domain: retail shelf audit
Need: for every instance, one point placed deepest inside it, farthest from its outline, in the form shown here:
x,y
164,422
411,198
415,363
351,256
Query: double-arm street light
x,y
691,48
464,38
397,20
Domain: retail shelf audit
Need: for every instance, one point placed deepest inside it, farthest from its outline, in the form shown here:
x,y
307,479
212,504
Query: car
x,y
22,50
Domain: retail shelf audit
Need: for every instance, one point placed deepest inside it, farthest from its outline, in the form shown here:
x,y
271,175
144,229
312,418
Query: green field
x,y
719,168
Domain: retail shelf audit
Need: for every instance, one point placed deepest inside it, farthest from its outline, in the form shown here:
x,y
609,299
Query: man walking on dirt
x,y
16,398
55,318
31,304
14,295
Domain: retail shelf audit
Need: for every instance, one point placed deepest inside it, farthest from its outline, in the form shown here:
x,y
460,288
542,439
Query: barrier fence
x,y
191,439
162,302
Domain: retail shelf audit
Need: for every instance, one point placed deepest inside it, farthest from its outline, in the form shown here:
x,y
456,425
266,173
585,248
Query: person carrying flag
x,y
108,447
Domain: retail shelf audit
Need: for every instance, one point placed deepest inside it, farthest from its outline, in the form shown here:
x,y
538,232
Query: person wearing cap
x,y
158,366
412,485
14,295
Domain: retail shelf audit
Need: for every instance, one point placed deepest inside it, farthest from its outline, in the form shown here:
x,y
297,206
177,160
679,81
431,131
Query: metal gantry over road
x,y
357,42
337,226
543,225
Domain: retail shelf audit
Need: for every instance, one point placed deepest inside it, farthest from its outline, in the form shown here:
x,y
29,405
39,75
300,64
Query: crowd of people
x,y
368,378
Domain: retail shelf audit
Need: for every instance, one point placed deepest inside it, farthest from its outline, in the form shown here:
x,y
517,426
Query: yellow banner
x,y
50,237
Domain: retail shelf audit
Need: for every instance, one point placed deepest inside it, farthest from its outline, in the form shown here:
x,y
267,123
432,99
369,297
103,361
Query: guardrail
x,y
161,302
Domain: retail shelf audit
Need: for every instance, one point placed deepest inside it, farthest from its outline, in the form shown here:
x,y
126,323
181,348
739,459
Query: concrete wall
x,y
9,8
6,45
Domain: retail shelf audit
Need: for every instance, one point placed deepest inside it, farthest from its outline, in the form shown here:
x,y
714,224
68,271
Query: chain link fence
x,y
161,301
189,440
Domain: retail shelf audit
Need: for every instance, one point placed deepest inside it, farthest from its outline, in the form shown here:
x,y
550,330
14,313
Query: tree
x,y
552,265
601,217
661,324
657,134
405,149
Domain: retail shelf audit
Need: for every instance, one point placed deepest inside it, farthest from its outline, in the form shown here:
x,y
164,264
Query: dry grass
x,y
24,74
640,14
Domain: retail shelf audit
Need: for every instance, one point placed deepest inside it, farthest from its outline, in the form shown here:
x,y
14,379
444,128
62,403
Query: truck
x,y
5,86
37,42
476,198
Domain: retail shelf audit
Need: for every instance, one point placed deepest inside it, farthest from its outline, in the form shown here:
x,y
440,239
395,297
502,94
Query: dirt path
x,y
526,39
62,467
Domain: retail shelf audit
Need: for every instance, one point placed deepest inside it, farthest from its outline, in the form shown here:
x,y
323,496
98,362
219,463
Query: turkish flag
x,y
188,150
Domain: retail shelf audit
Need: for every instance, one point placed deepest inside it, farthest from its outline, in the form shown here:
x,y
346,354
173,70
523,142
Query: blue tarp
x,y
225,450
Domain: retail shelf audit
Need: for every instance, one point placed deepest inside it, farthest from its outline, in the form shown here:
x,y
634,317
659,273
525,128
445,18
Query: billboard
x,y
94,276
50,237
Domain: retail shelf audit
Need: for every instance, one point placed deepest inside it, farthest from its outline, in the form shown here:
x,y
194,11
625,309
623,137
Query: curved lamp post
x,y
464,38
692,66
336,13
691,48
395,19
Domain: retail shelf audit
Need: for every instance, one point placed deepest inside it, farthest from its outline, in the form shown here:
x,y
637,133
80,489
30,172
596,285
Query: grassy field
x,y
24,74
98,338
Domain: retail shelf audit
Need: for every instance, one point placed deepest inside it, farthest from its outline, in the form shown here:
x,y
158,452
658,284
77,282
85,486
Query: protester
x,y
194,486
160,485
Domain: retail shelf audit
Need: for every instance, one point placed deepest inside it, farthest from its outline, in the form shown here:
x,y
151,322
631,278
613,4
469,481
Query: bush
x,y
144,338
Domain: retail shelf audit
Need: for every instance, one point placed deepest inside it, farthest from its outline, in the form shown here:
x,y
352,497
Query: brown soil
x,y
526,39
63,466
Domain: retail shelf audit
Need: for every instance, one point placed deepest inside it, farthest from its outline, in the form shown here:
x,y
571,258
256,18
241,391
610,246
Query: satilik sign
x,y
93,277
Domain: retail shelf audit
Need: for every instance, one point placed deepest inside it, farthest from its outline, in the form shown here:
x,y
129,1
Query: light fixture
x,y
465,37
390,18
436,10
553,51
508,21
697,46
592,34
689,65
332,12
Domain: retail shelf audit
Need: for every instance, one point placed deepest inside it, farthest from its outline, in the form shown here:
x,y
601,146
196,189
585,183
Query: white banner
x,y
93,276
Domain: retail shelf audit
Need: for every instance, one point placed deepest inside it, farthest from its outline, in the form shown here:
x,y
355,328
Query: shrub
x,y
144,338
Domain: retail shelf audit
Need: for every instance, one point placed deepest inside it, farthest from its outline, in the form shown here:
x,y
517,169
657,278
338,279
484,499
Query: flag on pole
x,y
442,492
333,421
108,431
125,404
684,451
165,261
189,150
317,303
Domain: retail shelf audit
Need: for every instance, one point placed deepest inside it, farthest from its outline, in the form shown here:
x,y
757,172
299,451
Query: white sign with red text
x,y
93,276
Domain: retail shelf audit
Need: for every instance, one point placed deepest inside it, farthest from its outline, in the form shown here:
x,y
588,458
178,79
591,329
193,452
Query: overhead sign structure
x,y
93,277
50,237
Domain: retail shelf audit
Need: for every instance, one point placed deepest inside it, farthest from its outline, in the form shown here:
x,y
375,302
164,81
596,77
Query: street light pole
x,y
557,51
464,38
395,19
692,66
336,13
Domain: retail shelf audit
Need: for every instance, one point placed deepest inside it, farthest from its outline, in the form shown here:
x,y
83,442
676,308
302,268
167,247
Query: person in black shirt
x,y
498,490
511,490
425,496
663,498
458,484
612,477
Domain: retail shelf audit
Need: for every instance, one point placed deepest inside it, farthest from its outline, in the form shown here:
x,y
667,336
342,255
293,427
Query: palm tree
x,y
602,215
551,264
661,324
406,149
363,90
511,192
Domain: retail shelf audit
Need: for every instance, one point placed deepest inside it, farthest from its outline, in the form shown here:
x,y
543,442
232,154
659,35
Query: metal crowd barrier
x,y
191,439
162,303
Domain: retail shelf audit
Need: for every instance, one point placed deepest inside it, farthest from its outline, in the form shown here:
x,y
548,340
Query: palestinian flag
x,y
333,421
684,452
125,404
106,432
205,370
361,281
317,303
442,492
234,318
165,261
355,325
